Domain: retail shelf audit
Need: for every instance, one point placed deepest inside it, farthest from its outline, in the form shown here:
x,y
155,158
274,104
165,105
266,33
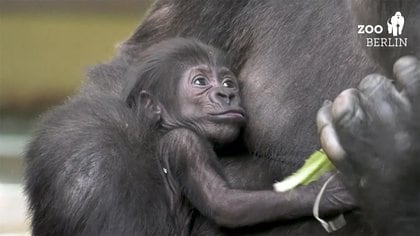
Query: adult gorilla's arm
x,y
373,134
192,163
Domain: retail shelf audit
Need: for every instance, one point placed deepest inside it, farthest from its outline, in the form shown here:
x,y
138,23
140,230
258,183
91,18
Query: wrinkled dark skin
x,y
372,134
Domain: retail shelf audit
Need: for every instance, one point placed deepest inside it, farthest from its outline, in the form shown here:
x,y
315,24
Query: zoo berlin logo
x,y
395,26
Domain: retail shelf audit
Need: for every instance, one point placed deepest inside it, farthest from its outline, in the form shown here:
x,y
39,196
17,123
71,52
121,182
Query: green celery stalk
x,y
315,166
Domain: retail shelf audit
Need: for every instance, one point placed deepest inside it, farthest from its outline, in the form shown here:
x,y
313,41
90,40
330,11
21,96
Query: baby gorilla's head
x,y
182,83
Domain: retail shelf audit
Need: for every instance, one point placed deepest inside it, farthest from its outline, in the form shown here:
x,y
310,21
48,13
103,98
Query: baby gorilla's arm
x,y
200,175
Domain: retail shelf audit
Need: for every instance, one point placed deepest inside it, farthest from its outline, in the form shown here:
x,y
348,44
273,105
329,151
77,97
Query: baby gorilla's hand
x,y
335,199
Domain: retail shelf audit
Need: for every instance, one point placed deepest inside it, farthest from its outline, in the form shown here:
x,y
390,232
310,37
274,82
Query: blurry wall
x,y
45,48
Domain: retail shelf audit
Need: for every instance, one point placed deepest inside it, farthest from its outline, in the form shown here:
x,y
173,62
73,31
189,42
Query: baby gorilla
x,y
189,95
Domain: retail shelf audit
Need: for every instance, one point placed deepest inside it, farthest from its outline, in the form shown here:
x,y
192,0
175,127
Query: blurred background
x,y
45,48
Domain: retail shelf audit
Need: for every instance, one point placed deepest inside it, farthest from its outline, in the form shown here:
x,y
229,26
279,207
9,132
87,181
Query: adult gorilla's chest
x,y
294,63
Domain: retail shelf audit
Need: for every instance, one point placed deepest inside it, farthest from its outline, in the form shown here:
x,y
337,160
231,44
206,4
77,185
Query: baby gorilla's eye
x,y
200,81
229,83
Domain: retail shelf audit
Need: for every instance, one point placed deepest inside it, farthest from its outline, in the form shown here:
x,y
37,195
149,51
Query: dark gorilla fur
x,y
76,173
94,154
145,125
289,57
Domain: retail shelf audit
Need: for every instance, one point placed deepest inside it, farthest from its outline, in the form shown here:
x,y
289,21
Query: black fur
x,y
289,55
77,171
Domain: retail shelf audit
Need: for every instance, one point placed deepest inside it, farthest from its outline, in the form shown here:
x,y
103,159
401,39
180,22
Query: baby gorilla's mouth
x,y
237,115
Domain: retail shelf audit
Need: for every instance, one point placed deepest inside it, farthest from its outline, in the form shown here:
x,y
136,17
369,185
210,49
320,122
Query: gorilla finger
x,y
346,109
326,132
331,144
381,95
324,116
376,86
407,72
335,152
340,195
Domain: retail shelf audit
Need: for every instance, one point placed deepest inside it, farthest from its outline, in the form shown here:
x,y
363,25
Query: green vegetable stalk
x,y
315,166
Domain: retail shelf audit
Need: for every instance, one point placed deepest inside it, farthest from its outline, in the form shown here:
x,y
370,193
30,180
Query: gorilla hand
x,y
372,135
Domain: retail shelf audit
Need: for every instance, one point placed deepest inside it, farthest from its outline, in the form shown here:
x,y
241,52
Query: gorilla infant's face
x,y
209,102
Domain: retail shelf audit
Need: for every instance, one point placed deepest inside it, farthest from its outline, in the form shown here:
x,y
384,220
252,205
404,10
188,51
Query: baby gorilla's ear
x,y
150,105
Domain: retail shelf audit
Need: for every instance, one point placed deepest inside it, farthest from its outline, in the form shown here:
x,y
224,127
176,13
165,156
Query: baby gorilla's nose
x,y
222,96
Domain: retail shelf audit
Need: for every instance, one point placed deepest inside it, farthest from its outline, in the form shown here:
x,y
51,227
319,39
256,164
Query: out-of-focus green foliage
x,y
44,53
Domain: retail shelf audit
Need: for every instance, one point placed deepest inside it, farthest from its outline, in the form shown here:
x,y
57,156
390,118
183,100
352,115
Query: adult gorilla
x,y
290,56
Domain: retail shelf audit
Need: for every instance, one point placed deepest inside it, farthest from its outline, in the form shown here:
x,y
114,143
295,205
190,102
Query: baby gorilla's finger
x,y
407,72
337,194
